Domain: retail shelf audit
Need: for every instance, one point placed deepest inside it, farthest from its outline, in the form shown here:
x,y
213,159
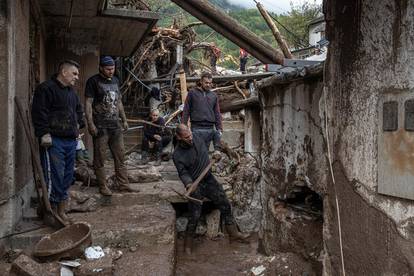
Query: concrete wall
x,y
15,168
371,54
292,158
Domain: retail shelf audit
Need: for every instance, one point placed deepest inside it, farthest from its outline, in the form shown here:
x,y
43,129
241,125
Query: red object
x,y
243,53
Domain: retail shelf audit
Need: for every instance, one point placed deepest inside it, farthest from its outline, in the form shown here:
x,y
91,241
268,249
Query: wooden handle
x,y
194,186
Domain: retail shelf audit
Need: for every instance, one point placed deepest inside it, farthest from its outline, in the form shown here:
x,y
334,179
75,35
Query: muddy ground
x,y
220,257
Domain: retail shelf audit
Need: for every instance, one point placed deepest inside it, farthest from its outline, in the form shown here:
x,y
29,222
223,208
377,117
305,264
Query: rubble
x,y
213,224
144,175
25,266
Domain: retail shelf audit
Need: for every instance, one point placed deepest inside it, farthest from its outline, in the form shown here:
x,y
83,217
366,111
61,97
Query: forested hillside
x,y
295,21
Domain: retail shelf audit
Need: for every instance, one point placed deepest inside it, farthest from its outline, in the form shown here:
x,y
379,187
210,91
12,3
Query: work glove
x,y
46,140
157,137
125,125
92,129
220,133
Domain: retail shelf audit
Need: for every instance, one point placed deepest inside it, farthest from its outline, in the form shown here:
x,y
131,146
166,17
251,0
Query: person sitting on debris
x,y
244,56
103,110
57,116
154,137
191,158
202,109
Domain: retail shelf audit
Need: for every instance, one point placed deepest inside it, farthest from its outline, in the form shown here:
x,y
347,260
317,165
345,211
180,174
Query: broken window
x,y
409,115
390,116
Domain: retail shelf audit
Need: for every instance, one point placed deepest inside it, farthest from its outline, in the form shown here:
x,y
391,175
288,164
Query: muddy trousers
x,y
113,139
212,190
58,163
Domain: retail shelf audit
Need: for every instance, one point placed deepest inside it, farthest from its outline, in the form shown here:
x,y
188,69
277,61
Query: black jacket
x,y
56,109
202,108
190,161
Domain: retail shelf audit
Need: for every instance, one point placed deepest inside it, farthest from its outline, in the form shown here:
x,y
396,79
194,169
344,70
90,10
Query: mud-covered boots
x,y
188,243
235,234
158,160
101,178
61,212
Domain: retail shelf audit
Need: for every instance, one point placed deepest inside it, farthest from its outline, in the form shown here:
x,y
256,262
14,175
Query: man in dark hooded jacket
x,y
57,116
202,109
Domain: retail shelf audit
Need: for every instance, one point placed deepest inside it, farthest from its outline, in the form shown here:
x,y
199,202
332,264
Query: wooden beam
x,y
275,31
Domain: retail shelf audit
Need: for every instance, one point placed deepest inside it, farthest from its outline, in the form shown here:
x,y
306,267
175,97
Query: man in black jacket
x,y
191,158
57,116
157,136
202,109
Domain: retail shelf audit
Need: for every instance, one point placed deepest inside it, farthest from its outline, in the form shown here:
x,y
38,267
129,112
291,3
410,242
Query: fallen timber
x,y
232,30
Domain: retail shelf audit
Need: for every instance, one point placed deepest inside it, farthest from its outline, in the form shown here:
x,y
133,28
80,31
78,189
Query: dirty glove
x,y
125,125
46,140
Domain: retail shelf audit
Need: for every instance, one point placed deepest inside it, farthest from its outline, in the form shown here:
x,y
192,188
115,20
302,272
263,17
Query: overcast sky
x,y
277,6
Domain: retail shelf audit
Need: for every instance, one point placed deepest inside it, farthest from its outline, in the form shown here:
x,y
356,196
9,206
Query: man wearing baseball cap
x,y
106,120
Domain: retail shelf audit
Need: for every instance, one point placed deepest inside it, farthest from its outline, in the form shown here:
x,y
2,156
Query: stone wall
x,y
371,55
15,168
293,163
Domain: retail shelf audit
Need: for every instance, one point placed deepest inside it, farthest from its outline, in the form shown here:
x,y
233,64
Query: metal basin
x,y
68,242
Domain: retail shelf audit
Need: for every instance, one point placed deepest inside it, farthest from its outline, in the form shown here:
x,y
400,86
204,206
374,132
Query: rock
x,y
25,266
102,267
149,174
81,202
213,224
181,224
201,228
248,221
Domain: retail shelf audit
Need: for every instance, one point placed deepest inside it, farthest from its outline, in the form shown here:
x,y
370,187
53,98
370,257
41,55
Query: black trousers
x,y
211,189
158,145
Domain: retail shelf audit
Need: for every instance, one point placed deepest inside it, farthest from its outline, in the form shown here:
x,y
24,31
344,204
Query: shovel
x,y
50,218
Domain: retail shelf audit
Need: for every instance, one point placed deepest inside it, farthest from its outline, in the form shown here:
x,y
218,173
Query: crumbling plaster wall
x,y
292,155
371,52
15,173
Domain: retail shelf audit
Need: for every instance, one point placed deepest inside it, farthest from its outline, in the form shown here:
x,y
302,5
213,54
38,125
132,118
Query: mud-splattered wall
x,y
293,166
371,55
16,182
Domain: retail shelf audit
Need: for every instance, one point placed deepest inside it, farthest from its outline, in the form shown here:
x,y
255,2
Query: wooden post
x,y
275,31
183,85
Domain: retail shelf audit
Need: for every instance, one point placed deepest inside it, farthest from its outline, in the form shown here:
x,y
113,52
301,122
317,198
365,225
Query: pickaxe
x,y
195,184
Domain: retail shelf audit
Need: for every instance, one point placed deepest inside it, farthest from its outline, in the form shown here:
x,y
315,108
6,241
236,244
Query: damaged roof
x,y
88,24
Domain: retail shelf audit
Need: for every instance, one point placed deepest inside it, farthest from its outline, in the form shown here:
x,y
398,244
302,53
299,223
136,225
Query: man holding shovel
x,y
191,160
57,116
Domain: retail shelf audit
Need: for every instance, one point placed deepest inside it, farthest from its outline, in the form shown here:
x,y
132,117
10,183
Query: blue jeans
x,y
58,162
208,135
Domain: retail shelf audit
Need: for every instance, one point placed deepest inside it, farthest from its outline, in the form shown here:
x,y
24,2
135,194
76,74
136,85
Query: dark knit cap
x,y
106,61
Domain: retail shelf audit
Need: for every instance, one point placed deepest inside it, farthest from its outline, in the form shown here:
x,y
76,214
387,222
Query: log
x,y
232,30
275,31
240,104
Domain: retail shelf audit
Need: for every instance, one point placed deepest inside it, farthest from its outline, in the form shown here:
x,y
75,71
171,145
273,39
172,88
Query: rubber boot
x,y
188,243
235,234
101,178
158,160
126,188
61,211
